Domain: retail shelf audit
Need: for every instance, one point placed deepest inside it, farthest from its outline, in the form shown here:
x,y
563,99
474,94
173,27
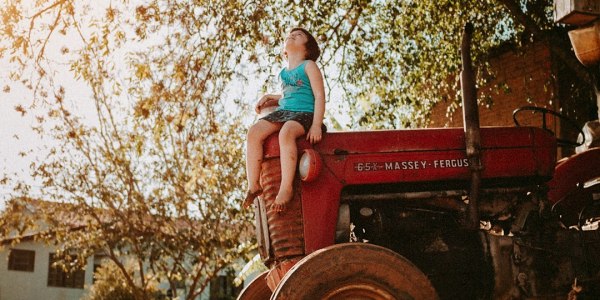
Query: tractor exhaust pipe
x,y
471,126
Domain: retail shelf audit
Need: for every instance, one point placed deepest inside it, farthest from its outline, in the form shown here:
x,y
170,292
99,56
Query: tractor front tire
x,y
354,271
257,289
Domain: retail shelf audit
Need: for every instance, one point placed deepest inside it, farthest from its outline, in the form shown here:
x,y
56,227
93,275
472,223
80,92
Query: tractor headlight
x,y
310,165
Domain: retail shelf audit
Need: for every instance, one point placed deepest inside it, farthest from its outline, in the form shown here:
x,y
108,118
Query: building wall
x,y
517,79
21,285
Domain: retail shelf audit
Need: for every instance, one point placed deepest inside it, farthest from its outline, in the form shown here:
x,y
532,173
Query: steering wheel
x,y
544,111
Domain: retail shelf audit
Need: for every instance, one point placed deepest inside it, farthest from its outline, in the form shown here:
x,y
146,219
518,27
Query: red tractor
x,y
473,213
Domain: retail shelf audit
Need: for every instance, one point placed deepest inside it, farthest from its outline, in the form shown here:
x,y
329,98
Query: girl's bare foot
x,y
283,197
250,196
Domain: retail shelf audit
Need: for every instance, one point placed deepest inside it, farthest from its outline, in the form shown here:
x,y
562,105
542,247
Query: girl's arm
x,y
315,133
267,101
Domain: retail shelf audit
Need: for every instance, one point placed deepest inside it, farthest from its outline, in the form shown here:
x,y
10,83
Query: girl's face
x,y
296,41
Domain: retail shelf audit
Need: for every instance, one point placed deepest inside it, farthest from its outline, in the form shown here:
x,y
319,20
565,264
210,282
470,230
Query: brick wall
x,y
516,79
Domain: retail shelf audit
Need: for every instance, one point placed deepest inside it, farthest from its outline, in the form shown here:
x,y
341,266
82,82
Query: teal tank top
x,y
297,92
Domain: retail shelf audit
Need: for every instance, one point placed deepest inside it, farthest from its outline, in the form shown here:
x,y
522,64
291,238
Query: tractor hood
x,y
431,154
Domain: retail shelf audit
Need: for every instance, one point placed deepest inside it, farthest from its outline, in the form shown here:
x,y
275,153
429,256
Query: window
x,y
95,274
21,260
99,260
59,278
222,287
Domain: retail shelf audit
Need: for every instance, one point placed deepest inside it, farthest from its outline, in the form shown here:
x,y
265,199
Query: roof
x,y
77,217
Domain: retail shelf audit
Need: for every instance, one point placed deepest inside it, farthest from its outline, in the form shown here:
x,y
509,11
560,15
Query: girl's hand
x,y
314,134
266,101
261,102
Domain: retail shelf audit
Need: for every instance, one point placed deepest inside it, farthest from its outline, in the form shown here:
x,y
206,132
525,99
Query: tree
x,y
156,176
394,58
109,284
164,148
401,58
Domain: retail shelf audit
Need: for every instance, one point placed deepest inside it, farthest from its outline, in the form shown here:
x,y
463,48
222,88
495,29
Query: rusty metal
x,y
262,232
431,194
405,196
358,291
330,273
257,289
286,230
276,274
471,126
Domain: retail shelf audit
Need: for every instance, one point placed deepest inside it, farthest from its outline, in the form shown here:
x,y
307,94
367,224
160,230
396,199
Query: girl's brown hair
x,y
312,48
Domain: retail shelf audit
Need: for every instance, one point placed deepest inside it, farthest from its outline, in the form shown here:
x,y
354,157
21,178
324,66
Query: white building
x,y
26,273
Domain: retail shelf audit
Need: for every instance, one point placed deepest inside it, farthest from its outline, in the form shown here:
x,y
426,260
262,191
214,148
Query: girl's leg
x,y
288,134
254,155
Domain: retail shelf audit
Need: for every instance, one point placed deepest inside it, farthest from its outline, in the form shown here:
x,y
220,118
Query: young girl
x,y
301,110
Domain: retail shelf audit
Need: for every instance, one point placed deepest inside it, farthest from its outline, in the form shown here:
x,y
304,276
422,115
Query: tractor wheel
x,y
257,289
354,271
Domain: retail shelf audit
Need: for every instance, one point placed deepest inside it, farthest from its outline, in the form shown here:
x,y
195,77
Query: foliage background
x,y
154,170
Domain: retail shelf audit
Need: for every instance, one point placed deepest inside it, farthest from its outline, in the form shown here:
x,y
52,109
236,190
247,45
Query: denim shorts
x,y
304,118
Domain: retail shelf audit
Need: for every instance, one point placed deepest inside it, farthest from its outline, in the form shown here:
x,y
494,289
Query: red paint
x,y
566,192
423,155
575,170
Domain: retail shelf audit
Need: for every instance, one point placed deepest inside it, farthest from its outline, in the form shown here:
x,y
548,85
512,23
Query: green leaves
x,y
408,50
157,176
160,164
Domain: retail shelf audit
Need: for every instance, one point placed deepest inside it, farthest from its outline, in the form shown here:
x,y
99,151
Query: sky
x,y
15,137
20,145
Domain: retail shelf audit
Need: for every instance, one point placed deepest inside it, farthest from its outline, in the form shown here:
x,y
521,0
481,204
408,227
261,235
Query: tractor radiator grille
x,y
285,229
